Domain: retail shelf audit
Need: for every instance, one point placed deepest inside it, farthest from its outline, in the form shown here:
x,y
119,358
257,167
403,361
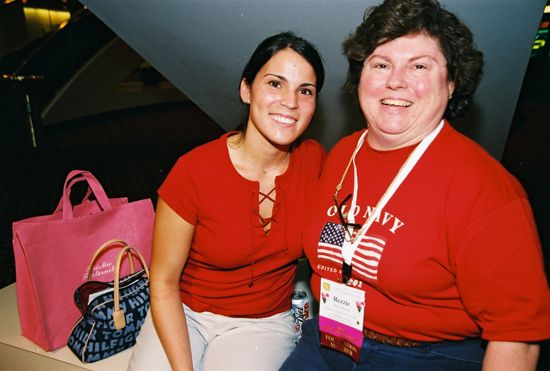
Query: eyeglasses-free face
x,y
403,90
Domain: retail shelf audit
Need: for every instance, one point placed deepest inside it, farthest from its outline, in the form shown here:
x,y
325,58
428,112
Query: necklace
x,y
242,159
266,171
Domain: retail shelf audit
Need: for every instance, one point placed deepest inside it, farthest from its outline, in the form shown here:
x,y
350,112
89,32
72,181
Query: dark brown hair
x,y
396,18
267,49
284,40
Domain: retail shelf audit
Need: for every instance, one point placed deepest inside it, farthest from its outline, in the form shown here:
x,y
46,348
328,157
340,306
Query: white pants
x,y
222,343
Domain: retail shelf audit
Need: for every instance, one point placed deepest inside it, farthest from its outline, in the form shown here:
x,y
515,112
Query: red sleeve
x,y
501,277
179,190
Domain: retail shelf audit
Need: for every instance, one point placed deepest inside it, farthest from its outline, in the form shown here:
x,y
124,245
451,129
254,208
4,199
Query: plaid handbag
x,y
112,312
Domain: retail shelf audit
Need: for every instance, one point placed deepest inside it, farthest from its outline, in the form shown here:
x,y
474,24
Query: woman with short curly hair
x,y
424,250
399,18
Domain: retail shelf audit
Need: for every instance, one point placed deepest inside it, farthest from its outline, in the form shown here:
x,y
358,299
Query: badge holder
x,y
341,315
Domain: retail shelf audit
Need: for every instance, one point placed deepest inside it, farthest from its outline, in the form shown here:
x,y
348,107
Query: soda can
x,y
300,309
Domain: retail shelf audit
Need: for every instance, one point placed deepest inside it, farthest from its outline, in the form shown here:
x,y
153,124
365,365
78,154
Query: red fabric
x,y
233,268
458,251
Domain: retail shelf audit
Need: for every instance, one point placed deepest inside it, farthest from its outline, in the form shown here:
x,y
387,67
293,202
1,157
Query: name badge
x,y
341,314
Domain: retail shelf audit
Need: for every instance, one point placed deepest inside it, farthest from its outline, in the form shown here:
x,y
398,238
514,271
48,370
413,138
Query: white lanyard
x,y
349,247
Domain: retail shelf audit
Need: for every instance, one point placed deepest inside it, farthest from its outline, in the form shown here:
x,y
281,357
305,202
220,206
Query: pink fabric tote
x,y
52,254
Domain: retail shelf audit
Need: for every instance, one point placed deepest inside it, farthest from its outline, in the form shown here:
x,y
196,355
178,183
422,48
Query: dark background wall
x,y
201,46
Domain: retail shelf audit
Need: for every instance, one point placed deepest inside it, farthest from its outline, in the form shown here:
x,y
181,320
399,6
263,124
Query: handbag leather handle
x,y
107,245
119,317
74,177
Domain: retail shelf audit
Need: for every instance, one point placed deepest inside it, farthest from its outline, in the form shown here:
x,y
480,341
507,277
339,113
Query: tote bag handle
x,y
74,176
94,187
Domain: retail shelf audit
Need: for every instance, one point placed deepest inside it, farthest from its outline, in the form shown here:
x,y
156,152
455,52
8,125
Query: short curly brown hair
x,y
396,18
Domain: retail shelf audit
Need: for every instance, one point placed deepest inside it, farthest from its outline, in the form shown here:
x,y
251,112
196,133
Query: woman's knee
x,y
263,347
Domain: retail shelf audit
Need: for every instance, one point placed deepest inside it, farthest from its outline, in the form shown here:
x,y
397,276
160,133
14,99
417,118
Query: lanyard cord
x,y
349,247
352,159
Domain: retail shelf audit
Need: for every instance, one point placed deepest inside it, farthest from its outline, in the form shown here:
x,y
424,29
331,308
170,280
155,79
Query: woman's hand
x,y
171,243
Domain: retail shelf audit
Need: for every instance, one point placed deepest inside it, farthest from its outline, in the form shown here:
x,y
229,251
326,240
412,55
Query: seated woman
x,y
228,228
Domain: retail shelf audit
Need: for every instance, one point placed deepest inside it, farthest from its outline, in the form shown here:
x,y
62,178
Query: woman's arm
x,y
504,355
171,243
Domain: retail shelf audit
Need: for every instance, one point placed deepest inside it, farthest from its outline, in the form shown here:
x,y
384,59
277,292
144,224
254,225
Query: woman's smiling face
x,y
403,90
282,98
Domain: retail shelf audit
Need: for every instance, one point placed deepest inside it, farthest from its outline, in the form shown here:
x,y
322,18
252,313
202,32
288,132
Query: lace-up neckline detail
x,y
265,222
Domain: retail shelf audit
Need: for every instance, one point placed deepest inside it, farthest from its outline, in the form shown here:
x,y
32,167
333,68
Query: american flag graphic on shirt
x,y
366,258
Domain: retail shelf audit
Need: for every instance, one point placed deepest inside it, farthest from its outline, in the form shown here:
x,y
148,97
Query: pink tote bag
x,y
52,254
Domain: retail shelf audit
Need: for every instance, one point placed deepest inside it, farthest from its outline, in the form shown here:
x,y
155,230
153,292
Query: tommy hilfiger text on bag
x,y
112,312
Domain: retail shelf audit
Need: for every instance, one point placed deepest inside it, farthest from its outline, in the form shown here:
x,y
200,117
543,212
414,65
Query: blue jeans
x,y
448,355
